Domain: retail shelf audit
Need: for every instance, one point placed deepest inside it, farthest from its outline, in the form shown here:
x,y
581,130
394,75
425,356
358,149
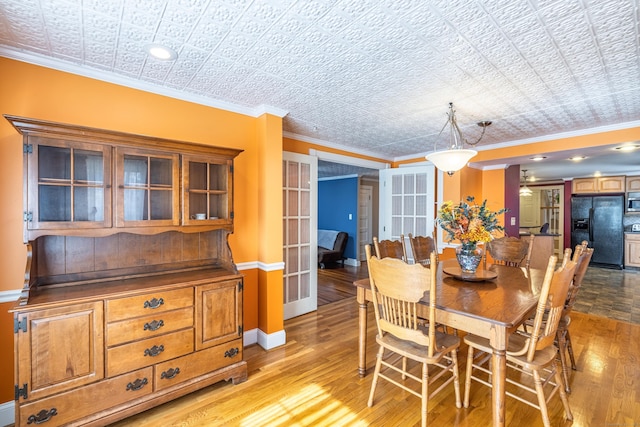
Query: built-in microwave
x,y
633,202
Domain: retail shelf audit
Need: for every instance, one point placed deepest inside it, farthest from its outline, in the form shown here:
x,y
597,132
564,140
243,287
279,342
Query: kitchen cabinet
x,y
603,184
633,183
632,249
127,302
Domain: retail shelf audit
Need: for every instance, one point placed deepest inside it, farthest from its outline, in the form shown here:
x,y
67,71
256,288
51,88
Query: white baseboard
x,y
250,337
7,414
352,261
269,341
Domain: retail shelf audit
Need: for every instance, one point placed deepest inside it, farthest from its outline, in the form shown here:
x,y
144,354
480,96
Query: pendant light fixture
x,y
524,190
455,156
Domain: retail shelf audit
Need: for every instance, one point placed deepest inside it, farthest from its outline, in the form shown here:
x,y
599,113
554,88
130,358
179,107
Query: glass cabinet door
x,y
71,187
207,198
147,188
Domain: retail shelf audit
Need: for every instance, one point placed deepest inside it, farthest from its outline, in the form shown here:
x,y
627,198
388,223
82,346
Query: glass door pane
x,y
148,190
71,184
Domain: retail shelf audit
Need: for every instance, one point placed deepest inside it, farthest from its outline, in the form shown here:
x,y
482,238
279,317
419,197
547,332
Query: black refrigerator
x,y
598,219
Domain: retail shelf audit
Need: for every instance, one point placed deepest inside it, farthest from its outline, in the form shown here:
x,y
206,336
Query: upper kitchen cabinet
x,y
83,181
603,184
633,183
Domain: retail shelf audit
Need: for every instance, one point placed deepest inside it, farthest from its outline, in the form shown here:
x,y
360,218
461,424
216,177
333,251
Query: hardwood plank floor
x,y
312,381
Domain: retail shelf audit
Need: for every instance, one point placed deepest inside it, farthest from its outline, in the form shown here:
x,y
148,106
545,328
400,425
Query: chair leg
x,y
425,394
542,401
467,381
570,349
374,382
456,377
562,347
563,395
404,368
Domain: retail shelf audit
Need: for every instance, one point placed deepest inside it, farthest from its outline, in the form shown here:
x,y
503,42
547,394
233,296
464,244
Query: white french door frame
x,y
407,202
300,234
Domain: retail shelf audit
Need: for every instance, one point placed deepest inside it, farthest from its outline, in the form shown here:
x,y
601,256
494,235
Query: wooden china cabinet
x,y
131,297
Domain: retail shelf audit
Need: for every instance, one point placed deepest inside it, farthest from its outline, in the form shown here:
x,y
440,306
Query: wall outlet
x,y
350,217
513,220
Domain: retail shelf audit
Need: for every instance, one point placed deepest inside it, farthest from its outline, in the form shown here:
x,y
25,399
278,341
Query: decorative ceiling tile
x,y
371,75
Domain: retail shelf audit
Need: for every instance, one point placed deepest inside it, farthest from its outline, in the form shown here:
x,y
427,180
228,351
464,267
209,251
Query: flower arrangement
x,y
469,222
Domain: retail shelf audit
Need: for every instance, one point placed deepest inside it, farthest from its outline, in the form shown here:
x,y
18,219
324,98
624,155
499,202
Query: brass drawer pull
x,y
153,326
42,416
154,303
154,351
171,373
232,352
137,384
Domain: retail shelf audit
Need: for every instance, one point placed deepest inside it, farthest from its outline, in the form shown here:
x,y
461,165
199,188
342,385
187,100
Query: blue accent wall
x,y
337,199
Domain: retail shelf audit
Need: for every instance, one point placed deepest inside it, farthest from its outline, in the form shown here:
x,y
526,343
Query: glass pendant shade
x,y
451,161
525,191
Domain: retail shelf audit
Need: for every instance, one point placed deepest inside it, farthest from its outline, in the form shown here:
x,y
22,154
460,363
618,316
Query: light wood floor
x,y
313,381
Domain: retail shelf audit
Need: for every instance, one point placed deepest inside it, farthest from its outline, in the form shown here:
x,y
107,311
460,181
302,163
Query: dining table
x,y
492,303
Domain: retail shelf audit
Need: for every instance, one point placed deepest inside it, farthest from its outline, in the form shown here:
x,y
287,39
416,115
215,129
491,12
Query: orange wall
x,y
38,92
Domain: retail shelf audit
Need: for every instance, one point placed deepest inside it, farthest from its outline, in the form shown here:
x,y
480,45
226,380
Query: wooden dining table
x,y
492,308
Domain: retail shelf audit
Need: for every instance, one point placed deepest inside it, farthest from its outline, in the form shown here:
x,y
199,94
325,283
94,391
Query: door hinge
x,y
27,216
21,391
239,333
240,285
231,169
231,216
17,325
27,148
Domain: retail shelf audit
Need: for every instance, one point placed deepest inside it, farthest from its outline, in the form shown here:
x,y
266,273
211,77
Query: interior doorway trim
x,y
348,160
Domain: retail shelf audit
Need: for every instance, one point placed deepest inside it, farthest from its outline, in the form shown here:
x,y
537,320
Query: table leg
x,y
362,331
498,380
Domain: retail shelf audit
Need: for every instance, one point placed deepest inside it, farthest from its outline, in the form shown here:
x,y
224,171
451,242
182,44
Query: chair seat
x,y
541,359
446,343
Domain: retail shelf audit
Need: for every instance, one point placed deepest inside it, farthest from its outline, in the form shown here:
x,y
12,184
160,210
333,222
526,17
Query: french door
x,y
407,203
300,228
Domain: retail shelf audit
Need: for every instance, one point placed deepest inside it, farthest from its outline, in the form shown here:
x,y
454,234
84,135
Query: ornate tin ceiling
x,y
372,76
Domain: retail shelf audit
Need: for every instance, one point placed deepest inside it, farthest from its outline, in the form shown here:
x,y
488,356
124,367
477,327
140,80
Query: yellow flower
x,y
468,222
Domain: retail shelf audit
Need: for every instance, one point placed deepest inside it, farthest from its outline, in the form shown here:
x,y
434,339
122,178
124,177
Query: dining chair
x,y
397,288
581,256
422,247
511,251
390,248
530,357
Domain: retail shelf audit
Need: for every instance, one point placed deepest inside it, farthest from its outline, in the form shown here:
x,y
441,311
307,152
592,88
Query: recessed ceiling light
x,y
577,158
628,147
161,52
538,158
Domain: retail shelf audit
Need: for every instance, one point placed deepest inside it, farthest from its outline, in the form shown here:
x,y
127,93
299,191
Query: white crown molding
x,y
572,134
93,73
331,145
269,109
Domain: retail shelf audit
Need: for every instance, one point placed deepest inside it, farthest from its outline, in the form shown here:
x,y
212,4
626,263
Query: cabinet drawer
x,y
87,400
148,326
151,303
139,354
199,363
